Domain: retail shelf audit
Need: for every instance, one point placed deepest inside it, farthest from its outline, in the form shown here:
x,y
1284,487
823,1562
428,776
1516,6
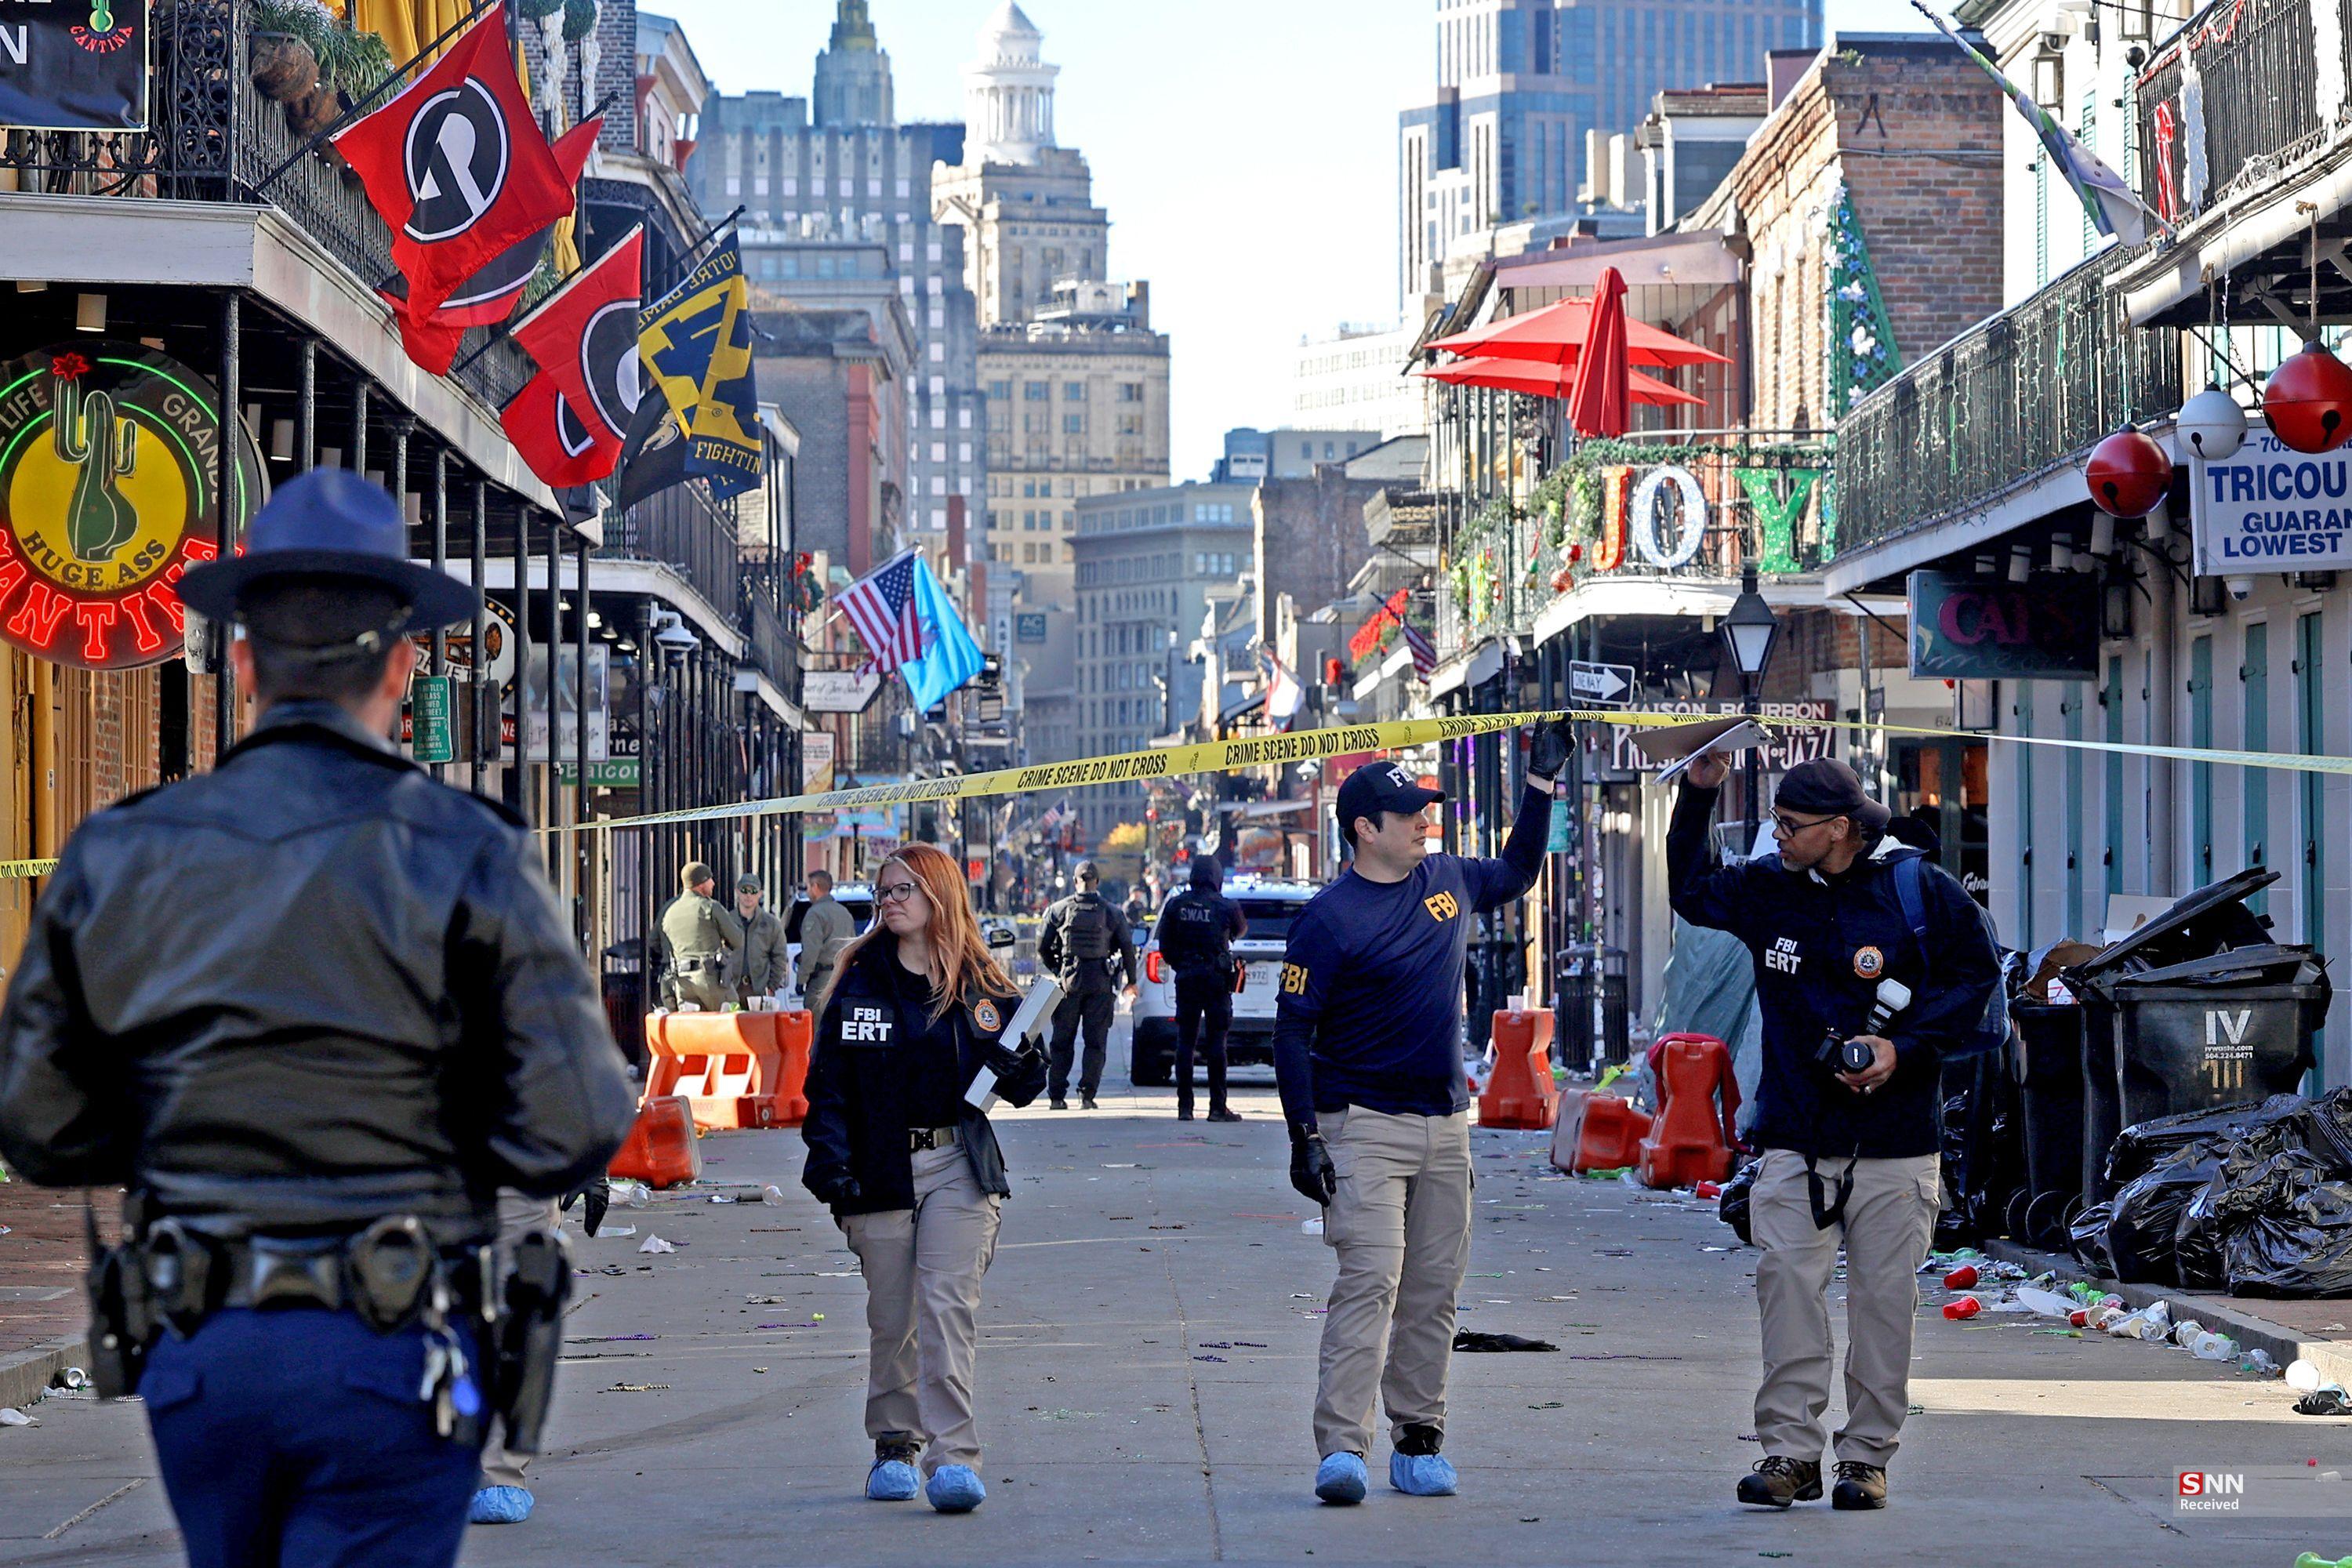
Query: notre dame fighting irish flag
x,y
696,342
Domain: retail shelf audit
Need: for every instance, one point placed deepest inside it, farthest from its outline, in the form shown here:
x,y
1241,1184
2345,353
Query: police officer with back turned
x,y
1368,1055
1848,1105
1197,929
1090,946
313,1011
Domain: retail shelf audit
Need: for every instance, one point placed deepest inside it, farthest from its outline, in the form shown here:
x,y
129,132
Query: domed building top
x,y
1009,92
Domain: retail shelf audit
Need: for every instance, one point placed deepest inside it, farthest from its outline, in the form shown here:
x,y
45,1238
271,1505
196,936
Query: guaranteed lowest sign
x,y
2273,509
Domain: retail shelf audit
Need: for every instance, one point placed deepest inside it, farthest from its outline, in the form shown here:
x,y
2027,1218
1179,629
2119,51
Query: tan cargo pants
x,y
1400,1224
517,1216
923,1267
1890,1223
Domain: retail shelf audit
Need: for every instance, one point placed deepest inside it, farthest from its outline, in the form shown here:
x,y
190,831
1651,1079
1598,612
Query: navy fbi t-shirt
x,y
1372,979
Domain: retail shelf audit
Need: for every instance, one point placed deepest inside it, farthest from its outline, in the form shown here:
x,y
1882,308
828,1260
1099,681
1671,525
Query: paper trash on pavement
x,y
655,1244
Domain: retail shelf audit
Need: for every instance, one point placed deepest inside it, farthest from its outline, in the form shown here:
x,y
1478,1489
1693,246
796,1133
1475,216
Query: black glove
x,y
1006,1061
1548,749
595,1196
843,1190
1312,1174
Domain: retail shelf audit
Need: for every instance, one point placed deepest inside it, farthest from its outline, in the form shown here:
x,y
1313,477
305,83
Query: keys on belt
x,y
922,1138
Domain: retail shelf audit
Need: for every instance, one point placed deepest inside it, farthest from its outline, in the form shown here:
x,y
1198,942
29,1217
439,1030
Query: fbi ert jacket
x,y
858,1090
1820,946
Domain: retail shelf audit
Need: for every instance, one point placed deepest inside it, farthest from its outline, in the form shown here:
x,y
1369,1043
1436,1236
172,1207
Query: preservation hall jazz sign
x,y
110,457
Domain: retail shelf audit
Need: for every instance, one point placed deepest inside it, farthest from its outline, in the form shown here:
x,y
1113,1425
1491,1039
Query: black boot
x,y
1859,1486
1779,1480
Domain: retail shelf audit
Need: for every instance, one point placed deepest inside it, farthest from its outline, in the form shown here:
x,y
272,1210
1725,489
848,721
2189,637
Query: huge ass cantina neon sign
x,y
110,459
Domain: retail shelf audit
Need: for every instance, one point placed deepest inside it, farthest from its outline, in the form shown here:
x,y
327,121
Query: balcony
x,y
769,641
683,529
2007,401
2256,114
216,139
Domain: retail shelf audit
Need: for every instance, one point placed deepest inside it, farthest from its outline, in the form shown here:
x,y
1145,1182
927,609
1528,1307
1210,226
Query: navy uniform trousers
x,y
296,1437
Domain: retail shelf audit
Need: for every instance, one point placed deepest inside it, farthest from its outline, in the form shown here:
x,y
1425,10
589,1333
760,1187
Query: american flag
x,y
882,607
1424,653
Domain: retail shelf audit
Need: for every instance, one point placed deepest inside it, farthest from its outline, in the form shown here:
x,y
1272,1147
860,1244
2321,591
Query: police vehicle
x,y
1269,904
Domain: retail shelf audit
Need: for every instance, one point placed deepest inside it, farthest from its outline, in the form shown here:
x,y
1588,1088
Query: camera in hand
x,y
1838,1054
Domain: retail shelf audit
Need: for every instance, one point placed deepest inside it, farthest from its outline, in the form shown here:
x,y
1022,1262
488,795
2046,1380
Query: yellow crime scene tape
x,y
1310,745
1396,734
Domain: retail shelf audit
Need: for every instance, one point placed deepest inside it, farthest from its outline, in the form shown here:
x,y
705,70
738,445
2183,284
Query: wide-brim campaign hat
x,y
330,522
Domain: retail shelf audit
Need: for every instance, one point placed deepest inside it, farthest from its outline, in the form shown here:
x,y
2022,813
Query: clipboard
x,y
1028,1026
1679,745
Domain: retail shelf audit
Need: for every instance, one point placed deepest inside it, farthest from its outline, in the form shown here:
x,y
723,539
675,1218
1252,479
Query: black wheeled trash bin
x,y
2050,1077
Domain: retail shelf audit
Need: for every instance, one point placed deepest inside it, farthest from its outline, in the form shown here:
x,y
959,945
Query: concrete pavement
x,y
1148,1366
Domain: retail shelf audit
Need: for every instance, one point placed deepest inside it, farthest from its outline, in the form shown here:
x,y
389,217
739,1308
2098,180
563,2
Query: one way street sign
x,y
1589,682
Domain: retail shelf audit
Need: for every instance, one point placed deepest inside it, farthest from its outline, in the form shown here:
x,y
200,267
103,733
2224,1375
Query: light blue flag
x,y
950,657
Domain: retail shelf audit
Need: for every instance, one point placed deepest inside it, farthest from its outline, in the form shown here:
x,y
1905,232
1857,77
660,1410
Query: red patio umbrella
x,y
1556,335
1550,380
1600,404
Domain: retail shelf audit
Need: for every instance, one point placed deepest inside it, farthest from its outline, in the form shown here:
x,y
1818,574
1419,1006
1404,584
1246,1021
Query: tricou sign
x,y
2273,509
110,461
1963,628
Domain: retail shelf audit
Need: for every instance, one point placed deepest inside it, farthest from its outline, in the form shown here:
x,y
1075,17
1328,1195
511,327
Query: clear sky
x,y
1245,149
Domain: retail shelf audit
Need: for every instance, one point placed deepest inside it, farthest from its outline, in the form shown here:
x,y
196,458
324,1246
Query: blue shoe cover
x,y
891,1481
1423,1475
1341,1478
955,1489
499,1505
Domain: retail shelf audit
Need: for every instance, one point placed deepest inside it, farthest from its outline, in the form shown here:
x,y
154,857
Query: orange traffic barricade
x,y
1691,1138
731,1067
1520,1093
661,1150
1597,1132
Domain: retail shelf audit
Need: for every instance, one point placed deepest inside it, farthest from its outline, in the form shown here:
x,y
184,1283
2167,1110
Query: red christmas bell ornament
x,y
2308,400
2128,474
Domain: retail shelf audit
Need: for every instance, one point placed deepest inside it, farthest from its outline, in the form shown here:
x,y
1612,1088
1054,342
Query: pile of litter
x,y
2085,1309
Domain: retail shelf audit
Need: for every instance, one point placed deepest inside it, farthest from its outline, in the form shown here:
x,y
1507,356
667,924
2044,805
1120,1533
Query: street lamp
x,y
1749,632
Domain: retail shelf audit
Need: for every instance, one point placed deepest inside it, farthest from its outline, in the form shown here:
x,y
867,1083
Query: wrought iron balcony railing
x,y
683,528
2012,397
214,138
2250,109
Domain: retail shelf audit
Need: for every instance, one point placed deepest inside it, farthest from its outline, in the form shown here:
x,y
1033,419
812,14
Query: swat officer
x,y
313,1011
1088,944
1197,931
700,934
1849,1145
762,969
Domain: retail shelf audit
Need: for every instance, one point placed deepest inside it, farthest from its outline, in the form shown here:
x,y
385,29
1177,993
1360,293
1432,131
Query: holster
x,y
122,1322
530,1337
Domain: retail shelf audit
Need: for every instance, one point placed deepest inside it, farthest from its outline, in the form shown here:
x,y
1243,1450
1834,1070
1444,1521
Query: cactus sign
x,y
110,455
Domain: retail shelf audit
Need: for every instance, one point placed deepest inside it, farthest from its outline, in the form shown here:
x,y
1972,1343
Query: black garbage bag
x,y
2088,1240
2257,1178
1984,1150
2144,1221
2140,1147
2297,1246
2197,1238
2322,1127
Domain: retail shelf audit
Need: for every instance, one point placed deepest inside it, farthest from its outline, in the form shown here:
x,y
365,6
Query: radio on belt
x,y
1028,1027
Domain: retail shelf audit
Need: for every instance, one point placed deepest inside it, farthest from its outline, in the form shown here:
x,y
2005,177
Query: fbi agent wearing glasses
x,y
1847,1115
909,1166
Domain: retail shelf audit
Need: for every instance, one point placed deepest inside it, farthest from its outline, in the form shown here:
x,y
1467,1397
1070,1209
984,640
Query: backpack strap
x,y
1907,879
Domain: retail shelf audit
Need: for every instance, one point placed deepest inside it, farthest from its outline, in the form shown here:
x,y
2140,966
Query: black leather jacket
x,y
306,990
858,1119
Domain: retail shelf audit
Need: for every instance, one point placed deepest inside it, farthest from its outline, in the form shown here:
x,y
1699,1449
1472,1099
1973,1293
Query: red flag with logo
x,y
585,337
456,165
561,447
490,295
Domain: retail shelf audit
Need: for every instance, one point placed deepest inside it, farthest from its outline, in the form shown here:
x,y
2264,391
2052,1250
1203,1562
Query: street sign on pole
x,y
1589,682
433,737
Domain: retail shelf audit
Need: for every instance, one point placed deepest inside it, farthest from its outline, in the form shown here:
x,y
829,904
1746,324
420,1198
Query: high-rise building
x,y
820,192
1520,82
853,74
1074,378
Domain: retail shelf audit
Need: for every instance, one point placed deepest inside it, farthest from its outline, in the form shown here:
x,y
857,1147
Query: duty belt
x,y
921,1138
384,1274
697,963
